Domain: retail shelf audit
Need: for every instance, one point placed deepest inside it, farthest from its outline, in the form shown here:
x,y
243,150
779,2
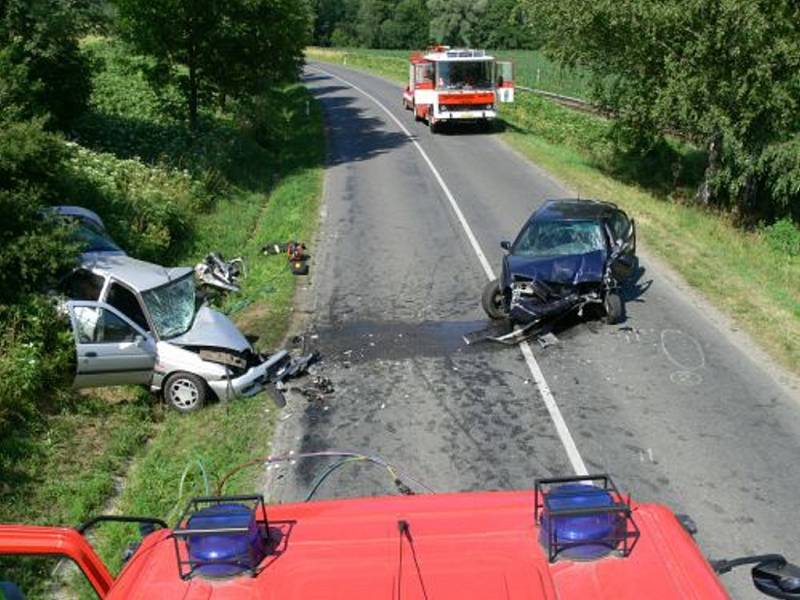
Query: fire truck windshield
x,y
458,75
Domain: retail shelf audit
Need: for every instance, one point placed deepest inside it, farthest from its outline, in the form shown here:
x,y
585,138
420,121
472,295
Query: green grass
x,y
68,469
252,174
748,274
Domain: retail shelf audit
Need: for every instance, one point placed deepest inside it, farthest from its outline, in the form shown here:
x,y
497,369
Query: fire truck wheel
x,y
435,126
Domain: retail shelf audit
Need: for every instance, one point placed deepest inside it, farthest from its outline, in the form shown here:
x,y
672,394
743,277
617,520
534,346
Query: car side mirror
x,y
505,245
778,579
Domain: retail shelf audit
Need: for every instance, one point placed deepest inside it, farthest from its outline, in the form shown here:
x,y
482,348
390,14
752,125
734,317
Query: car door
x,y
623,235
111,349
504,80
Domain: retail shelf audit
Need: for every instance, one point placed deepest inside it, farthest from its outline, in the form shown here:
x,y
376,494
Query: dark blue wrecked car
x,y
569,255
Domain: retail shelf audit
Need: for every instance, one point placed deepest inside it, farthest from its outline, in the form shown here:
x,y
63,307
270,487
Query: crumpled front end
x,y
533,301
251,381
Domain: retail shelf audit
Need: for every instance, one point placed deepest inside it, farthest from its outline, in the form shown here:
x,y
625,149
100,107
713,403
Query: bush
x,y
783,237
41,36
32,250
148,210
36,362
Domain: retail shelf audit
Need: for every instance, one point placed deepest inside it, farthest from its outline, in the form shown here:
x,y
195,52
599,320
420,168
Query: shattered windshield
x,y
172,307
459,75
559,238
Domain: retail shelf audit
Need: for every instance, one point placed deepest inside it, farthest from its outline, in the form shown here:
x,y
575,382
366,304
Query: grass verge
x,y
745,273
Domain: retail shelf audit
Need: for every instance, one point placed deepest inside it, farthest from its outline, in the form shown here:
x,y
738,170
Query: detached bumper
x,y
252,382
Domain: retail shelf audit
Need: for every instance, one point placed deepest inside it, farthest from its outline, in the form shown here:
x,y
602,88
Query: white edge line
x,y
538,377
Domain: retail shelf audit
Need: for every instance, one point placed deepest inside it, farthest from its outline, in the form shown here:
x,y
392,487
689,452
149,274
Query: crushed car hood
x,y
569,270
213,329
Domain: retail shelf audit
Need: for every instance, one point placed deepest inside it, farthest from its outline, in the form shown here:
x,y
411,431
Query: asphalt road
x,y
667,403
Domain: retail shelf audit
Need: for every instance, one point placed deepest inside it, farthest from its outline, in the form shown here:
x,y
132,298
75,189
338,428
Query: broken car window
x,y
82,285
560,238
619,226
99,326
127,303
172,306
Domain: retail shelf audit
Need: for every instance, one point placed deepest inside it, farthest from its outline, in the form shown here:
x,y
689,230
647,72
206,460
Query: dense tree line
x,y
411,24
724,72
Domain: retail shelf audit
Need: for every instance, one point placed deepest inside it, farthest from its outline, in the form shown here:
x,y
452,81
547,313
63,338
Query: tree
x,y
334,15
226,48
41,60
408,27
455,22
504,25
723,71
371,16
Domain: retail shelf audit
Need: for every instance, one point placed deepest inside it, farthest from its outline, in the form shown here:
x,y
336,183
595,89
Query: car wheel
x,y
493,302
185,392
614,308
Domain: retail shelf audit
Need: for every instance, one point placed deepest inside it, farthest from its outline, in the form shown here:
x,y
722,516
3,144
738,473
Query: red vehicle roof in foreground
x,y
461,547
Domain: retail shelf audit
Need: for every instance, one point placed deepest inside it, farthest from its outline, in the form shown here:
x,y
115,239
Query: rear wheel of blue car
x,y
185,392
493,302
615,310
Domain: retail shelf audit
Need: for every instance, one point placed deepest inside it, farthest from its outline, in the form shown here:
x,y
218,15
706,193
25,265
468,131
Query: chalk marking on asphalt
x,y
547,396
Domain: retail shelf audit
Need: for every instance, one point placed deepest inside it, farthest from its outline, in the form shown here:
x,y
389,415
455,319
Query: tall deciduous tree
x,y
40,59
408,27
456,22
725,71
226,47
372,14
505,25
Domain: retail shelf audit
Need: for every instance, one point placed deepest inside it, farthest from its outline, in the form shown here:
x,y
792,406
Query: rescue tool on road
x,y
447,85
568,538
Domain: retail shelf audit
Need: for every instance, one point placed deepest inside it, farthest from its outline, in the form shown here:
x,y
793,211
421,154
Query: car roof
x,y
573,209
78,212
137,274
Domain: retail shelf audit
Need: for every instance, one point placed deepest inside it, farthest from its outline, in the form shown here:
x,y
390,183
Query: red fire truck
x,y
569,539
464,85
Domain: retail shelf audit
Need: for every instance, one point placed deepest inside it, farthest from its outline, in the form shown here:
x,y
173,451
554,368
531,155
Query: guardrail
x,y
568,101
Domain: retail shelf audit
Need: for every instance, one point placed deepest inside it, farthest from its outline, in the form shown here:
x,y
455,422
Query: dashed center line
x,y
538,377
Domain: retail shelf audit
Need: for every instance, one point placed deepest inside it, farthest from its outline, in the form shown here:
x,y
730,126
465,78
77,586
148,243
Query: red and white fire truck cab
x,y
464,85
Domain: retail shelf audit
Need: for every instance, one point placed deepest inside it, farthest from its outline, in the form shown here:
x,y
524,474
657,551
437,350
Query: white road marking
x,y
538,377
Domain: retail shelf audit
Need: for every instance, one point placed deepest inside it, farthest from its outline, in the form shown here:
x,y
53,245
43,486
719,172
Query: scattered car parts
x,y
295,253
216,272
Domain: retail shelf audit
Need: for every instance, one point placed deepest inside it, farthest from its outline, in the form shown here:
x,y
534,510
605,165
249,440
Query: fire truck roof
x,y
457,55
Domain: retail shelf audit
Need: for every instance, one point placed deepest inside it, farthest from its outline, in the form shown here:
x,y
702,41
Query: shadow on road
x,y
355,135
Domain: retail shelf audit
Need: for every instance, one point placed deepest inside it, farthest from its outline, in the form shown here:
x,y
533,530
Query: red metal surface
x,y
461,547
57,541
475,98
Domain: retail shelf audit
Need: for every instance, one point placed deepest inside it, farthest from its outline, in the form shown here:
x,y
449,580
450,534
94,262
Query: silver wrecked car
x,y
135,322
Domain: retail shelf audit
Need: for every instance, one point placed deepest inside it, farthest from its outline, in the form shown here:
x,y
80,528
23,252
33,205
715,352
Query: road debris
x,y
295,253
547,340
216,272
318,390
